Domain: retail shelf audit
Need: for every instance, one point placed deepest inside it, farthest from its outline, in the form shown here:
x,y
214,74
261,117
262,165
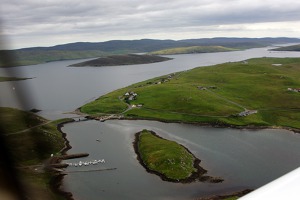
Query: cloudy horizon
x,y
48,23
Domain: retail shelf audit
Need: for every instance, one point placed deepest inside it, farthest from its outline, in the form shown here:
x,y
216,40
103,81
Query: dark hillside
x,y
81,50
130,59
288,48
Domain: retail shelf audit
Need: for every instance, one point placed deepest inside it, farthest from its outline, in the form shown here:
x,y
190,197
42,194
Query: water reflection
x,y
244,158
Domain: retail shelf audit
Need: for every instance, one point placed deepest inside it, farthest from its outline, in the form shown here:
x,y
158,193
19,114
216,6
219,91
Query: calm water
x,y
56,88
245,159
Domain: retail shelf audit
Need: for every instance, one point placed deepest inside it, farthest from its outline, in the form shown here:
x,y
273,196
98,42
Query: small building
x,y
131,98
201,88
294,89
246,113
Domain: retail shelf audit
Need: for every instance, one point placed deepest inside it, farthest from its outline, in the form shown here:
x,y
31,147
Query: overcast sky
x,y
26,23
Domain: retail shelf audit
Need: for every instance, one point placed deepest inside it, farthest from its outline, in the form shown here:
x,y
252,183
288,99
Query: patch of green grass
x,y
34,145
254,85
13,120
31,147
166,157
109,104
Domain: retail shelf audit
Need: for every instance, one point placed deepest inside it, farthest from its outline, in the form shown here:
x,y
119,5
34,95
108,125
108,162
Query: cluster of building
x,y
294,89
130,96
164,80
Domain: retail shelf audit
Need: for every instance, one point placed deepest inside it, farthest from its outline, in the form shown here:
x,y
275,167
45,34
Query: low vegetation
x,y
31,140
214,95
165,157
193,49
129,59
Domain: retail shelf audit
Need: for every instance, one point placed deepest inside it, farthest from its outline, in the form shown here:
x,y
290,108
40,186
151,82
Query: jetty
x,y
71,156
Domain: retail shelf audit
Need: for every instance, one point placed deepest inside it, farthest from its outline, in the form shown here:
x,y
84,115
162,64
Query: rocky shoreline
x,y
56,181
226,196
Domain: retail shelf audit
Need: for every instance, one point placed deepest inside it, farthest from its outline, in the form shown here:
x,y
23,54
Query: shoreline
x,y
57,180
197,175
57,177
203,124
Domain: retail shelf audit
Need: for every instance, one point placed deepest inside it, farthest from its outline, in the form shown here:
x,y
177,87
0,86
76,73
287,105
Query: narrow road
x,y
28,129
225,99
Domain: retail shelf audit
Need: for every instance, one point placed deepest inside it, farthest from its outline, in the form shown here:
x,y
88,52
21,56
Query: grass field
x,y
215,95
192,49
31,140
165,157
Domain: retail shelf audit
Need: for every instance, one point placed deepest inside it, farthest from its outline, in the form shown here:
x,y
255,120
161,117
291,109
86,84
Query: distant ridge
x,y
288,48
80,50
146,45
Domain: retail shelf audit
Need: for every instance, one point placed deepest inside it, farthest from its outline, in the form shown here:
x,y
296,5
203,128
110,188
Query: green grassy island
x,y
192,49
31,140
262,92
168,159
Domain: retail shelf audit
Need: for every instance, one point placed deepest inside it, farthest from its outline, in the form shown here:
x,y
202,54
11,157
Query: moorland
x,y
30,140
254,93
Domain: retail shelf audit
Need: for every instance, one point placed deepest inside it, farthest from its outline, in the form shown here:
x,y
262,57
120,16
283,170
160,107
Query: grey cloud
x,y
33,17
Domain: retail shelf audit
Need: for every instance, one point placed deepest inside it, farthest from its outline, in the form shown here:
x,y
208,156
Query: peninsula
x,y
130,59
256,93
30,140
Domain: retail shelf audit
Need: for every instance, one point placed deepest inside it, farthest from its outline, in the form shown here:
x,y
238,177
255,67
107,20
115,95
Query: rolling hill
x,y
80,50
258,92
